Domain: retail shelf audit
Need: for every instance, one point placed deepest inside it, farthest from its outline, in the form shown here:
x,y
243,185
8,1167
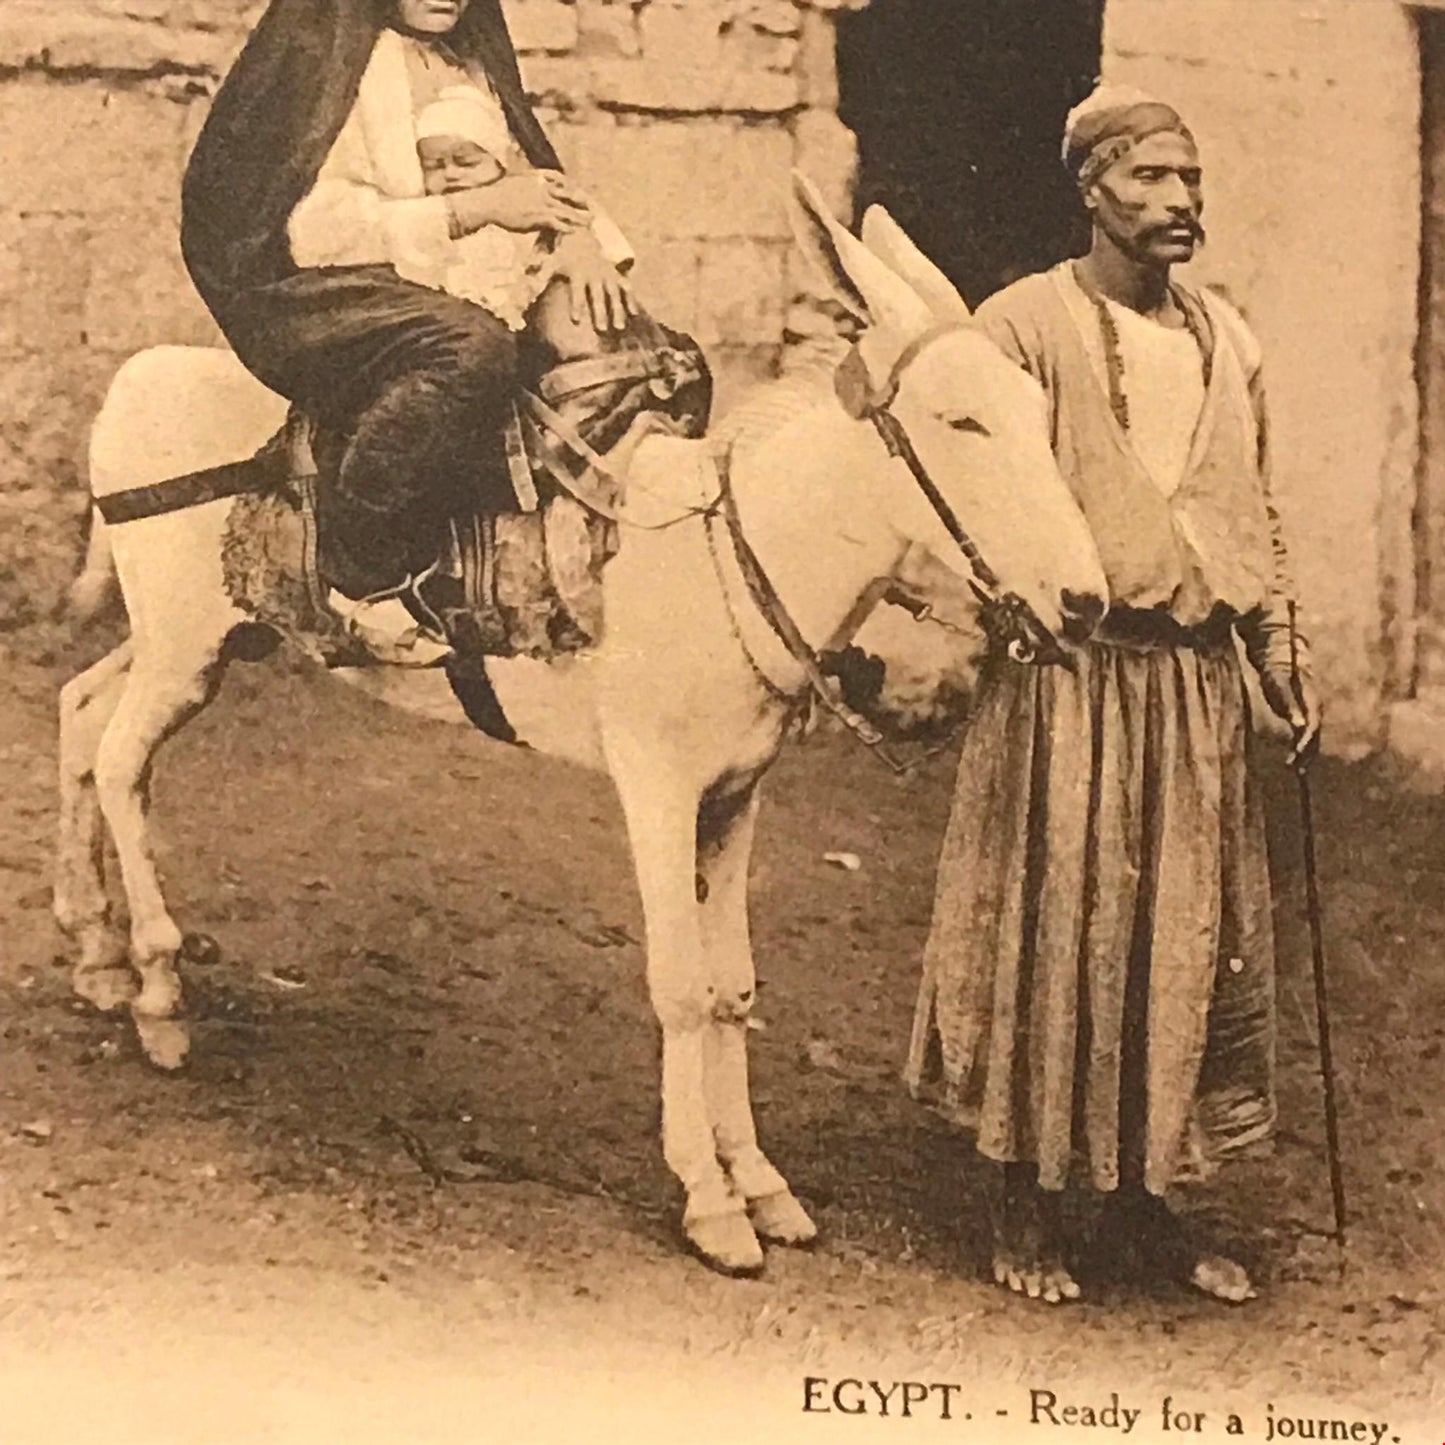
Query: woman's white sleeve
x,y
345,220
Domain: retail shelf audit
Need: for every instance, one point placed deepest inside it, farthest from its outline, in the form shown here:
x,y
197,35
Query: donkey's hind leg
x,y
168,684
724,851
102,974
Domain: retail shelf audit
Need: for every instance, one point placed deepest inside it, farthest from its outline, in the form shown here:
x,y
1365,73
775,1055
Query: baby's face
x,y
451,163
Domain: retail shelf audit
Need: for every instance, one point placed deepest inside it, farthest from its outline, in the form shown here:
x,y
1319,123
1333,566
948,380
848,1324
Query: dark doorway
x,y
959,109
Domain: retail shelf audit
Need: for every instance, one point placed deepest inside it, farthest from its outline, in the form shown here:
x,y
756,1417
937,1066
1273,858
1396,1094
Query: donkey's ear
x,y
887,240
871,290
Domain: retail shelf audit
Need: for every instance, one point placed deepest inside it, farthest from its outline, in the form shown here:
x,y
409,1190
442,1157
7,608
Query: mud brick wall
x,y
683,116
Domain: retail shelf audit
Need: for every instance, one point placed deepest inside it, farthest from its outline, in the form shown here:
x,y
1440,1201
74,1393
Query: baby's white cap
x,y
461,110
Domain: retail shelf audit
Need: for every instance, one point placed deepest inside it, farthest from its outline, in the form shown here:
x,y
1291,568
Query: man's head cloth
x,y
1108,125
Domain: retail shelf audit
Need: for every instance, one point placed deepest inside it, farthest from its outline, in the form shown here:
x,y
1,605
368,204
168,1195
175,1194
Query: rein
x,y
1005,617
775,613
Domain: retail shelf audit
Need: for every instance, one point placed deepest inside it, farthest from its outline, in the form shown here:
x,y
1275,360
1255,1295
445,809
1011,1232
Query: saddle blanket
x,y
532,581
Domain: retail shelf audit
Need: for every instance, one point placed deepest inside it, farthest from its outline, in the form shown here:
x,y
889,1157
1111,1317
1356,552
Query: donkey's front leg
x,y
661,812
725,826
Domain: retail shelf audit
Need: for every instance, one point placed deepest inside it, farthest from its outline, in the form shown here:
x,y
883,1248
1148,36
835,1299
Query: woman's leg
x,y
428,444
418,382
426,449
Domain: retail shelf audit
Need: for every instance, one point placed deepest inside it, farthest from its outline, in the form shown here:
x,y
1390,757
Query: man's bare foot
x,y
1164,1244
1028,1242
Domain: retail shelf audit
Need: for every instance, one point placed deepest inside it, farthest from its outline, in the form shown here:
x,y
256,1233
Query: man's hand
x,y
1296,699
598,291
529,201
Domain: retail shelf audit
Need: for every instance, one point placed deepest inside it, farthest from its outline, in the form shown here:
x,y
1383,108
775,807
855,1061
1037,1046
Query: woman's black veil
x,y
275,119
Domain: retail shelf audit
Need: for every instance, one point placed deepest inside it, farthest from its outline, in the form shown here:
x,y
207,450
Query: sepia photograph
x,y
723,720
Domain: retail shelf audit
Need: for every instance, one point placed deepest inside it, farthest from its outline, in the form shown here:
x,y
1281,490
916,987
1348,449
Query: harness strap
x,y
862,401
306,491
854,384
519,467
591,497
175,494
661,363
775,613
572,439
297,438
1006,617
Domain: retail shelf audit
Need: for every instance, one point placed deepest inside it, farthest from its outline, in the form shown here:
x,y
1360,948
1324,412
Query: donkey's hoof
x,y
780,1219
166,1041
726,1243
106,989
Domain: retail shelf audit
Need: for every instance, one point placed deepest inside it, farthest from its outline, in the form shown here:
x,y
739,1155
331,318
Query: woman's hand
x,y
596,287
529,201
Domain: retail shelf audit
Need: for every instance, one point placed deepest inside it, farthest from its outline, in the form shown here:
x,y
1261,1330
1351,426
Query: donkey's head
x,y
986,497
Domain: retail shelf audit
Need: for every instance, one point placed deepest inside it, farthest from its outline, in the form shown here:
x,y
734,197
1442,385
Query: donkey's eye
x,y
967,424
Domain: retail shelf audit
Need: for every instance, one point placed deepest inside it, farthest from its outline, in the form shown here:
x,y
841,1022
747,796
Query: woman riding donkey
x,y
312,233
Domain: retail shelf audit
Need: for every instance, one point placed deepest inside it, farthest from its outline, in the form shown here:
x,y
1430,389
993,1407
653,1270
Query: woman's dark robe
x,y
269,131
417,380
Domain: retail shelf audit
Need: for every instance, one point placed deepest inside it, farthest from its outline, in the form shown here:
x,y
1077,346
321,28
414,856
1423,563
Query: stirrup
x,y
431,620
416,646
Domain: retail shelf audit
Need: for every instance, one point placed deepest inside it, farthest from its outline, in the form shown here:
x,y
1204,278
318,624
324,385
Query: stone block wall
x,y
1308,120
684,117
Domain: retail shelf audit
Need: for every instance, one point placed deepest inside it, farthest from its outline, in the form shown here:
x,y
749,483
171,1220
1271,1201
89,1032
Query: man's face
x,y
1149,201
450,163
429,17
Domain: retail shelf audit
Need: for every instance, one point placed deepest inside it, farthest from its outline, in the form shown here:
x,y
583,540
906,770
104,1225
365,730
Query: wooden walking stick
x,y
1317,943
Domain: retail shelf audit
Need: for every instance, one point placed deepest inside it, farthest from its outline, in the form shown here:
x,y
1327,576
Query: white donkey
x,y
685,702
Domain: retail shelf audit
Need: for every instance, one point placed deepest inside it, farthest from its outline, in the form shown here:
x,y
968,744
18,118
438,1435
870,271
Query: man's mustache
x,y
1192,224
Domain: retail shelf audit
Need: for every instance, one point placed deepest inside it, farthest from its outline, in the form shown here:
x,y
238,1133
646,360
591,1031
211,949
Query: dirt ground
x,y
410,1186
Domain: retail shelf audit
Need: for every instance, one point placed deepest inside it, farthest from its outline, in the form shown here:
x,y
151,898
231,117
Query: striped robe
x,y
1098,983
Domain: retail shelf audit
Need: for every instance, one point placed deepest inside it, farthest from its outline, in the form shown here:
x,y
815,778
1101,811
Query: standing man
x,y
1098,989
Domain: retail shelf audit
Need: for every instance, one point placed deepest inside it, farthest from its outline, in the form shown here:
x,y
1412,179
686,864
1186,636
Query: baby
x,y
462,145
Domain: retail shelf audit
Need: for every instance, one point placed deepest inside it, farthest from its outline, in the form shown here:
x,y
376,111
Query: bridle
x,y
1007,620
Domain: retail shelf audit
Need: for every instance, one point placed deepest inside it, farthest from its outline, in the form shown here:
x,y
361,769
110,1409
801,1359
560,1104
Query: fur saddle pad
x,y
532,580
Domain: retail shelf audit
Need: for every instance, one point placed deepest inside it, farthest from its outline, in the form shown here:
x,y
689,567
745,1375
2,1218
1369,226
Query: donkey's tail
x,y
96,589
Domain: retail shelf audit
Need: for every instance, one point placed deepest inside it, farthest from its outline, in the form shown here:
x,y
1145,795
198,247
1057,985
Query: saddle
x,y
523,583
